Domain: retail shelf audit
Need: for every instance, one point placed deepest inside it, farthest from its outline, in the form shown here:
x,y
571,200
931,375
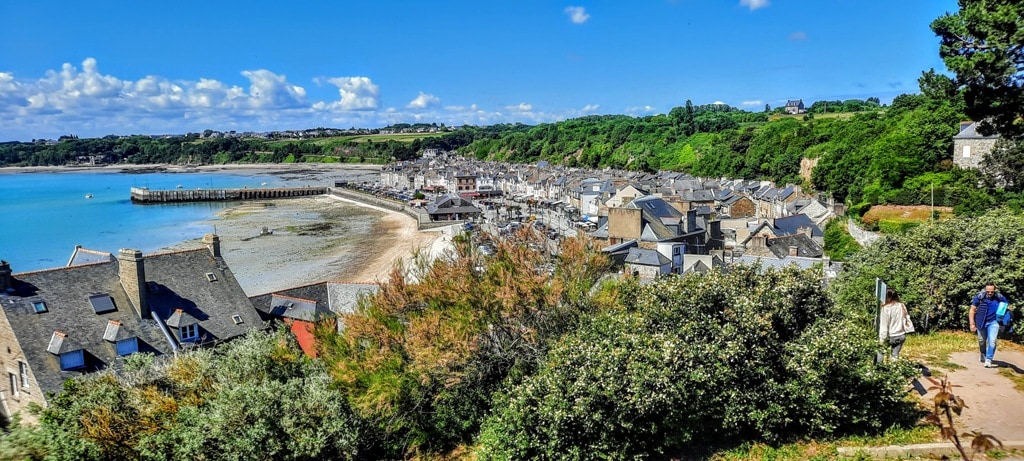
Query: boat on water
x,y
263,184
179,186
88,195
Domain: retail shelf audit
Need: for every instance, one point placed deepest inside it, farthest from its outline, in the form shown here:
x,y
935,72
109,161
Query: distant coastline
x,y
247,168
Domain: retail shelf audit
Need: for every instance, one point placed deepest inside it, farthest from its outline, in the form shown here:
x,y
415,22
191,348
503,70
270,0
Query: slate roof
x,y
329,297
178,281
971,132
65,292
805,246
645,257
792,225
656,206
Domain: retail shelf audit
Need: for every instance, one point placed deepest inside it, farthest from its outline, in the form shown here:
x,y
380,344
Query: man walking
x,y
983,320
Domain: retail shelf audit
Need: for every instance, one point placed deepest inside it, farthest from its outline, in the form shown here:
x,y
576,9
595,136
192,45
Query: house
x,y
452,208
647,263
302,308
970,147
69,321
794,107
790,225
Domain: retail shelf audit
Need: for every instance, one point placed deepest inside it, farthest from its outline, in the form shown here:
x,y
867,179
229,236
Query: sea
x,y
46,214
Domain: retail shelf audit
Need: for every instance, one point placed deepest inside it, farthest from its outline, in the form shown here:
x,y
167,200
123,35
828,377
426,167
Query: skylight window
x,y
39,306
102,303
211,276
236,318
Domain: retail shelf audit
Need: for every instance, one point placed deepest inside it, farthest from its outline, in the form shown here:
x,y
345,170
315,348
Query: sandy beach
x,y
313,239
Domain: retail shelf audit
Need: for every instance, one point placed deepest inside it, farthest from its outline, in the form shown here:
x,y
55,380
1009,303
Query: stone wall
x,y
979,148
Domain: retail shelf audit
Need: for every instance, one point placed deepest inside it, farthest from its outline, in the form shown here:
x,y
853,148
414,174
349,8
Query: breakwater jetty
x,y
144,195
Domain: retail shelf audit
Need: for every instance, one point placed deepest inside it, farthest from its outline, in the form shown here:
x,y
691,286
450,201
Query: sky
x,y
137,67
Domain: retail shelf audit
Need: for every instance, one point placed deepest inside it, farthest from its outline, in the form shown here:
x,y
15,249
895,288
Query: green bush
x,y
896,226
697,360
859,209
937,267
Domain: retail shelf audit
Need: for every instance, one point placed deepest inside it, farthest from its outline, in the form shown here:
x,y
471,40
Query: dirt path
x,y
994,406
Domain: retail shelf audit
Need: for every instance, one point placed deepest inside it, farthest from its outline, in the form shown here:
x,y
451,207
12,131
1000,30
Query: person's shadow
x,y
1009,366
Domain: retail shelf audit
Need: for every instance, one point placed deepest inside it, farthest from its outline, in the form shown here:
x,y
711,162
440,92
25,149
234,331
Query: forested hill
x,y
861,152
866,153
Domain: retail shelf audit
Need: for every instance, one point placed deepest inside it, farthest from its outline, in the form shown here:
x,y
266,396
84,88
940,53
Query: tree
x,y
983,44
1005,164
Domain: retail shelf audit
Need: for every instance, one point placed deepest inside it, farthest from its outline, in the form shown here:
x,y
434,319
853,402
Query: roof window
x,y
101,303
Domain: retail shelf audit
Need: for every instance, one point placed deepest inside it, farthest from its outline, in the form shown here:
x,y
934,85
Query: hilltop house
x,y
65,322
794,107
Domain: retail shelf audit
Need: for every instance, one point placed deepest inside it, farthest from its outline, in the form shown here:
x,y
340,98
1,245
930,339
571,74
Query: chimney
x,y
6,281
212,241
133,279
793,250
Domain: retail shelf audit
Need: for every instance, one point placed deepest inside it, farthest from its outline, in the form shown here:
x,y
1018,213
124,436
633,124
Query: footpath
x,y
993,406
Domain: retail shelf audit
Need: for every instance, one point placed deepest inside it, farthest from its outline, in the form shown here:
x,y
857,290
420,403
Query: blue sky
x,y
138,67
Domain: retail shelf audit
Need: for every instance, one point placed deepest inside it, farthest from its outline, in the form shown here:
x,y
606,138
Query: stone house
x,y
970,147
795,106
69,321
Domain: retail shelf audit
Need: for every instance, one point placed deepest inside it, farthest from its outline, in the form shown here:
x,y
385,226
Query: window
x,y
211,277
72,360
102,303
14,384
967,151
189,332
23,368
39,306
127,346
236,318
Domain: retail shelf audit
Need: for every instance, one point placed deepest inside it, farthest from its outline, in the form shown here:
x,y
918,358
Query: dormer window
x,y
71,356
125,342
127,346
189,332
72,360
186,324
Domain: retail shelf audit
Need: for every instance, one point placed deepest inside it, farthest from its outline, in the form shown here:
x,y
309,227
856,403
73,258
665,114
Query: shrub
x,y
744,355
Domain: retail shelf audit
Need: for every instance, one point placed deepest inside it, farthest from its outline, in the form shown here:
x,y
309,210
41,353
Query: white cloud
x,y
719,103
798,36
522,107
357,93
577,14
754,4
590,108
423,101
269,90
647,109
756,102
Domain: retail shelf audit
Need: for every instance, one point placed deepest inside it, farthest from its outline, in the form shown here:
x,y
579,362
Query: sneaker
x,y
988,364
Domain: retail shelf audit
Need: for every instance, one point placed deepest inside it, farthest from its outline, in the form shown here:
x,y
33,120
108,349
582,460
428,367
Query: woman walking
x,y
892,323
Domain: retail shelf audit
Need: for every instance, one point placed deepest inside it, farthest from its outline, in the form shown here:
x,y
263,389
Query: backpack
x,y
1004,316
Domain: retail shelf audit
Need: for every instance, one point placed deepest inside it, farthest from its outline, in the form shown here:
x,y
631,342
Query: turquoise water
x,y
46,214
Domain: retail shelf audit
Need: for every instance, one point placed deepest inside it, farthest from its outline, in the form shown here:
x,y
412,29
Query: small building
x,y
970,147
305,307
795,106
647,263
452,208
